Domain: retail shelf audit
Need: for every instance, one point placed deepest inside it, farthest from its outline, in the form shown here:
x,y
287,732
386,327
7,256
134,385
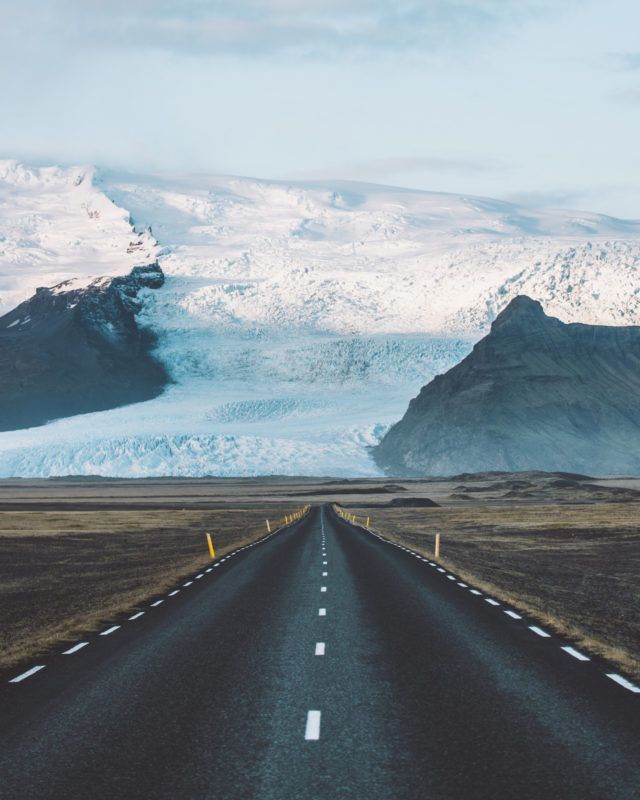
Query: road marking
x,y
324,562
431,564
513,615
451,577
464,585
475,591
216,565
325,574
135,616
208,570
441,570
312,731
33,671
323,588
322,612
539,631
576,653
75,648
319,648
173,593
491,602
188,583
157,603
199,576
623,682
110,630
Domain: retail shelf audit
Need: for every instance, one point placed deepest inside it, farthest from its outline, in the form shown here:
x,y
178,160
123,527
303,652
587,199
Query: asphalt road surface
x,y
320,664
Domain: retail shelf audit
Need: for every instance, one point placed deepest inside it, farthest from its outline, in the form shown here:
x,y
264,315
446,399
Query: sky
x,y
535,101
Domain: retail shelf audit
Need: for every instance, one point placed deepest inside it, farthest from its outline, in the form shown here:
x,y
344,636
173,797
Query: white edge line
x,y
75,648
135,616
110,630
539,631
623,682
575,653
27,674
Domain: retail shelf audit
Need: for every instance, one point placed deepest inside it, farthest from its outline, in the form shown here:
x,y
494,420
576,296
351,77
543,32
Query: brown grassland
x,y
574,568
68,572
75,553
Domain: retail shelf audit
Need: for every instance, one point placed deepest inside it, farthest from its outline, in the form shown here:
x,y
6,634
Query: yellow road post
x,y
210,543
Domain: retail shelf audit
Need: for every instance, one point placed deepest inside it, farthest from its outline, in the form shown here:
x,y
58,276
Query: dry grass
x,y
575,568
65,573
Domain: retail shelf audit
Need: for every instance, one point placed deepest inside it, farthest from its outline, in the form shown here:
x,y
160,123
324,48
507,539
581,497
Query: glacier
x,y
297,318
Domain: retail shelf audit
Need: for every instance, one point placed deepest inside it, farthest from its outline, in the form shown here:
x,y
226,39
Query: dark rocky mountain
x,y
70,351
535,394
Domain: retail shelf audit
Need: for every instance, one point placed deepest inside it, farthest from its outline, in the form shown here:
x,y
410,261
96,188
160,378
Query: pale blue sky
x,y
532,100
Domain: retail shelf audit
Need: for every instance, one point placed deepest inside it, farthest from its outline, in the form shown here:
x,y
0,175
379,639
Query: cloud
x,y
414,164
401,170
567,198
627,61
299,27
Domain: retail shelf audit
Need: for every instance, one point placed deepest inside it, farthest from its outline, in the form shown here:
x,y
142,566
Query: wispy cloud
x,y
311,27
626,61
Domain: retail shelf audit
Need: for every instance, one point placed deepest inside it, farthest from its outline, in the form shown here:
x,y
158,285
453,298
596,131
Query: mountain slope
x,y
296,318
535,393
70,351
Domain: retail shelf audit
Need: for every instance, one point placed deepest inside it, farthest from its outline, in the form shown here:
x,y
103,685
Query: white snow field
x,y
297,319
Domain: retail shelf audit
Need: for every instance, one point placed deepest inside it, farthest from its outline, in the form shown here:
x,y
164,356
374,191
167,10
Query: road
x,y
408,686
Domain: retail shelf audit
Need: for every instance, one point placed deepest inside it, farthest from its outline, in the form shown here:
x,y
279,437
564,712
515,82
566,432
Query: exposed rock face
x,y
534,394
70,351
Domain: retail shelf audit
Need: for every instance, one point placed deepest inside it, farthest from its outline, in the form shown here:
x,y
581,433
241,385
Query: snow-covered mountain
x,y
296,320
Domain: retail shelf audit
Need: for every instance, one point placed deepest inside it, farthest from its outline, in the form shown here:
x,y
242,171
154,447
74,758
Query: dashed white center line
x,y
325,574
322,612
513,615
623,682
312,731
199,576
319,648
323,588
136,616
539,631
441,570
491,602
475,591
173,593
208,570
464,585
188,583
576,653
75,648
33,671
110,630
324,562
157,603
451,577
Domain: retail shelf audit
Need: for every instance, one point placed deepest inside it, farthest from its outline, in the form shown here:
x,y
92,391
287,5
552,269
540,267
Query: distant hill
x,y
535,393
73,350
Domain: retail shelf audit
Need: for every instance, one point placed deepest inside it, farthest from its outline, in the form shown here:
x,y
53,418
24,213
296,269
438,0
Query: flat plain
x,y
75,553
